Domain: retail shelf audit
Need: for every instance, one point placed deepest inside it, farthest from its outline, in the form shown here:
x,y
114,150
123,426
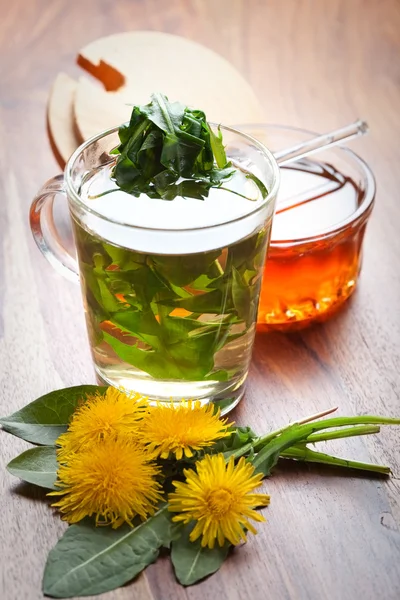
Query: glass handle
x,y
45,231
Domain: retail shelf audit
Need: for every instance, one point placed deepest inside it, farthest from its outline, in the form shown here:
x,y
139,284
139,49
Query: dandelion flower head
x,y
219,498
101,417
113,481
181,429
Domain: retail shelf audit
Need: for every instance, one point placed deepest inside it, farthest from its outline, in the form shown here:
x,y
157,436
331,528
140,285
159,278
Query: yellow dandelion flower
x,y
114,481
102,417
219,497
181,429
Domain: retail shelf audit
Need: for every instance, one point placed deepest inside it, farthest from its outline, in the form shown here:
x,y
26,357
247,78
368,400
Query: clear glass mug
x,y
170,312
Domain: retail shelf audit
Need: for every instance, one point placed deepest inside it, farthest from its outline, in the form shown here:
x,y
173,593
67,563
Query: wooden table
x,y
317,64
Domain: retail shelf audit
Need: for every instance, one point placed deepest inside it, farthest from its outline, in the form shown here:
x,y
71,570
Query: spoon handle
x,y
321,142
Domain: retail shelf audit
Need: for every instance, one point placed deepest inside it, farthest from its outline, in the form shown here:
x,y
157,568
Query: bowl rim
x,y
356,218
270,197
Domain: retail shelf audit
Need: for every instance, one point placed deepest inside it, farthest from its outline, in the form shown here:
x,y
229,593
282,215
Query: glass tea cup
x,y
315,255
170,288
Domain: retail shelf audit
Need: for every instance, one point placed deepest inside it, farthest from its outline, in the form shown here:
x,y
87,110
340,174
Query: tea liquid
x,y
171,307
306,281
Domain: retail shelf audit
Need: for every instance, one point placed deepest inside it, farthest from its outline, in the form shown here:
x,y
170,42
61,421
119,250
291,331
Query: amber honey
x,y
314,258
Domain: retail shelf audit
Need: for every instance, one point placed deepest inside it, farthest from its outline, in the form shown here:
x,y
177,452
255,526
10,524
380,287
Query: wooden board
x,y
63,135
132,65
111,108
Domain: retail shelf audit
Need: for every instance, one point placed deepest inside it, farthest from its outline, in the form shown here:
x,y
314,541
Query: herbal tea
x,y
306,280
170,325
171,217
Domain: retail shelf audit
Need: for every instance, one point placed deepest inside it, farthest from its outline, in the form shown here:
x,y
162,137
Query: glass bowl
x,y
315,255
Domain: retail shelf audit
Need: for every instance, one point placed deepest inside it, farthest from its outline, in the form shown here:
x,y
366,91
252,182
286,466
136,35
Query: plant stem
x,y
343,433
307,455
327,424
218,265
102,194
221,187
290,441
261,441
269,453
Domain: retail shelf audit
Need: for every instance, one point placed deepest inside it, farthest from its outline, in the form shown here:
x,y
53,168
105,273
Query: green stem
x,y
270,450
262,440
102,194
218,265
313,438
286,441
239,452
327,424
221,187
343,433
307,455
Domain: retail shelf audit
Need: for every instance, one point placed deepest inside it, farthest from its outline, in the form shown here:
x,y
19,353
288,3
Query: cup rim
x,y
361,213
270,195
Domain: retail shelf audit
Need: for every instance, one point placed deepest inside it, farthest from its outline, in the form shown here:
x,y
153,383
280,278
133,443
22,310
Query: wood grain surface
x,y
317,64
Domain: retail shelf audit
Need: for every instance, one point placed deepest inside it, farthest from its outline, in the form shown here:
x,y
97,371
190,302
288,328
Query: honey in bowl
x,y
315,255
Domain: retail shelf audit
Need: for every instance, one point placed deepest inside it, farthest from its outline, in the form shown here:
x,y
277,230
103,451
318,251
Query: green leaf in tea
x,y
218,148
37,466
91,560
170,315
241,296
45,419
